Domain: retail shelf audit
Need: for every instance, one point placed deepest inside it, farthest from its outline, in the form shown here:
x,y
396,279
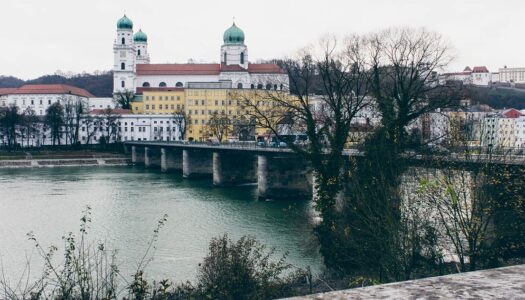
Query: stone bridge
x,y
278,172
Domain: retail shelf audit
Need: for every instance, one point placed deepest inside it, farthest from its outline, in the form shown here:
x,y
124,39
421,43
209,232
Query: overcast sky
x,y
42,36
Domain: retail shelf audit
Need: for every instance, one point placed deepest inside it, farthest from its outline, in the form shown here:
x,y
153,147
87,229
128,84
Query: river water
x,y
126,204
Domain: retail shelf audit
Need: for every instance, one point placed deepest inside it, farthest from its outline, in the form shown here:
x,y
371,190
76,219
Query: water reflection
x,y
127,203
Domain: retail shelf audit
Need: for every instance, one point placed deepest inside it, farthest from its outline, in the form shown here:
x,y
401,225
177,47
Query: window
x,y
268,86
275,87
138,52
259,86
123,66
145,84
178,84
162,84
123,41
242,58
252,86
153,106
239,85
123,83
225,56
166,106
203,102
33,102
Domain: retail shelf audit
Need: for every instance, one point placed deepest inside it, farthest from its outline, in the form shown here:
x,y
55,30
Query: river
x,y
127,202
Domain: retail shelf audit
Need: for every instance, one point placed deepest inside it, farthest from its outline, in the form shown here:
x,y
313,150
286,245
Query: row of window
x,y
161,98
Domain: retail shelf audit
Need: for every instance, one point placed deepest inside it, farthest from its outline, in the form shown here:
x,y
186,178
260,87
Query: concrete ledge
x,y
501,283
73,162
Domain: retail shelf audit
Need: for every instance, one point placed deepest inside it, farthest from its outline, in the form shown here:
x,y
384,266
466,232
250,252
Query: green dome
x,y
140,37
124,23
233,35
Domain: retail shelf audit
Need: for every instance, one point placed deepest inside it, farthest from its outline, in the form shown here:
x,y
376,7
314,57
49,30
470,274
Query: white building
x,y
101,103
481,76
512,75
121,125
132,68
39,97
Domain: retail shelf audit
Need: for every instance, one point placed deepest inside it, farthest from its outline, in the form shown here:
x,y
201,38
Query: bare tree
x,y
182,121
340,72
55,120
218,126
123,99
10,120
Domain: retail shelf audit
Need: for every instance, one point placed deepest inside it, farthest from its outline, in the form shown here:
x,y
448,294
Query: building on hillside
x,y
39,97
481,76
465,77
512,75
132,68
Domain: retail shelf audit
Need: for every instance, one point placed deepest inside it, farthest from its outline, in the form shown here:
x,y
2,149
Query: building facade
x,y
132,68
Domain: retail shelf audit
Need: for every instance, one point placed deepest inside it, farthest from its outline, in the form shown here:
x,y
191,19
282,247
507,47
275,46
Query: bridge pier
x,y
137,155
170,159
197,163
283,176
234,168
151,157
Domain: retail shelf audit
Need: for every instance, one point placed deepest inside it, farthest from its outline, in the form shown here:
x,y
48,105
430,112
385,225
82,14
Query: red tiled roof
x,y
204,69
481,69
7,91
178,69
511,113
141,90
264,68
115,111
51,89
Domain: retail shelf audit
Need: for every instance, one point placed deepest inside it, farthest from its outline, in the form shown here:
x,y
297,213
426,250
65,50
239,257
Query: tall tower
x,y
124,57
234,51
140,39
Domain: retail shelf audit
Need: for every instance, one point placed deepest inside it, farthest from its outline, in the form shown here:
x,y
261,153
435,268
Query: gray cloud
x,y
40,37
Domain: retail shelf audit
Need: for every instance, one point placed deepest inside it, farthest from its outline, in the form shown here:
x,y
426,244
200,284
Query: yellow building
x,y
137,105
204,104
163,102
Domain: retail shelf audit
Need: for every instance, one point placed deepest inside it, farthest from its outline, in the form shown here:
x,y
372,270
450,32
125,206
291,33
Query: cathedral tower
x,y
234,51
124,57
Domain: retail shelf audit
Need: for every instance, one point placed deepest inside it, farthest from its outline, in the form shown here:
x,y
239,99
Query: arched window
x,y
123,83
179,84
145,84
162,84
123,41
281,87
252,86
138,52
242,58
275,87
239,85
259,86
123,66
225,58
268,86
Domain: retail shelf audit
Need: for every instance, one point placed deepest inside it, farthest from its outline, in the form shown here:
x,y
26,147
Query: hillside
x,y
498,98
100,85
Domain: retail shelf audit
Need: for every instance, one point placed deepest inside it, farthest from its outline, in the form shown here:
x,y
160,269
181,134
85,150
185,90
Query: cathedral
x,y
132,70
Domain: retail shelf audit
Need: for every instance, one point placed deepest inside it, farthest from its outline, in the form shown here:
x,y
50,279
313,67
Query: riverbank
x,y
65,162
